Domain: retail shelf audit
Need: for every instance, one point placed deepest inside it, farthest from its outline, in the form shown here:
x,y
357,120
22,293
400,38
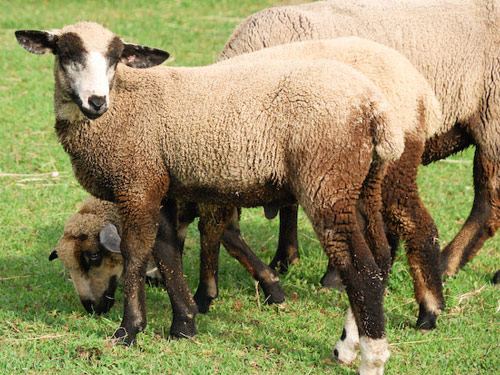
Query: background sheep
x,y
291,147
90,251
419,114
453,44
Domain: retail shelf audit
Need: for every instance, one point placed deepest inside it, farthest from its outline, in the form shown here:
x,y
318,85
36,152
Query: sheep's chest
x,y
91,166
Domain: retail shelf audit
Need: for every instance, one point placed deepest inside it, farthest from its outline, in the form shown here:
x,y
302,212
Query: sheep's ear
x,y
137,56
109,238
53,255
37,41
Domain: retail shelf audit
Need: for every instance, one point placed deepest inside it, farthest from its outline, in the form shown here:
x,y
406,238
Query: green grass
x,y
43,327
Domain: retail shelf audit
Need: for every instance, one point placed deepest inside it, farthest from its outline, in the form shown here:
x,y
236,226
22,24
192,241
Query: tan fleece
x,y
455,44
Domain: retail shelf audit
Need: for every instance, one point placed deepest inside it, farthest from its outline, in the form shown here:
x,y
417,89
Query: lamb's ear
x,y
110,239
37,41
53,255
137,56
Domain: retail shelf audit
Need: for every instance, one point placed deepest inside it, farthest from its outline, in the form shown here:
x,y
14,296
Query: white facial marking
x,y
93,79
374,354
347,349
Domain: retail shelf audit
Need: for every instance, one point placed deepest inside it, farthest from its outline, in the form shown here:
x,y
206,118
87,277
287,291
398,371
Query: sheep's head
x,y
93,259
87,55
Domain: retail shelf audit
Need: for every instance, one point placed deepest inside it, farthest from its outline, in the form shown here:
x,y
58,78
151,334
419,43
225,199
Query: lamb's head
x,y
90,251
87,55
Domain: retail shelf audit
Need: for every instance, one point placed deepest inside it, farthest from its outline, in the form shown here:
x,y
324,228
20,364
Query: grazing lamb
x,y
454,44
269,133
90,250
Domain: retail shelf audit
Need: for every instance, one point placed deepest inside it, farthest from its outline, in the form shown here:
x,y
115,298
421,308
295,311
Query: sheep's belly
x,y
250,196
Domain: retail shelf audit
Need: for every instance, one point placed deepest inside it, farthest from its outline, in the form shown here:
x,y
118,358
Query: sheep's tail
x,y
431,115
388,136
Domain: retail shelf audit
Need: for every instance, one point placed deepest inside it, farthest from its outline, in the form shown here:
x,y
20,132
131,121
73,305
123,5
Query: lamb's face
x,y
87,55
85,70
95,265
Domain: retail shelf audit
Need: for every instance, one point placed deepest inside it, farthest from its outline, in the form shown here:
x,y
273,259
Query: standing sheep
x,y
419,114
454,44
243,135
90,250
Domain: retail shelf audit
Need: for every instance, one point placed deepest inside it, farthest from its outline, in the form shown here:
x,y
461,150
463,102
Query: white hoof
x,y
374,354
347,347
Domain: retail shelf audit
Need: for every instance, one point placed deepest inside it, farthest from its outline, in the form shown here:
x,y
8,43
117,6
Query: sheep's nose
x,y
96,102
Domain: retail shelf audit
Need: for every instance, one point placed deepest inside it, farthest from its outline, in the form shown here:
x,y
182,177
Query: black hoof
x,y
331,279
203,302
282,264
496,278
122,336
426,319
183,328
204,297
274,293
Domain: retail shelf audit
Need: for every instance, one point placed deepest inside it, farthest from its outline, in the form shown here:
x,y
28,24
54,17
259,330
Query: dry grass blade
x,y
423,341
44,337
470,294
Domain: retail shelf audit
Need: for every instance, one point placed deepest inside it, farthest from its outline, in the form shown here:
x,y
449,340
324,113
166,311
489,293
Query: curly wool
x,y
453,43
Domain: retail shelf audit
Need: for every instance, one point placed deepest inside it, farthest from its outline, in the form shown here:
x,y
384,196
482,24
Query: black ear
x,y
137,56
37,41
109,238
53,255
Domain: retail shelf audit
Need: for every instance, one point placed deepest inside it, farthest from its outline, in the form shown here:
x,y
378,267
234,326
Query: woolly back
x,y
404,87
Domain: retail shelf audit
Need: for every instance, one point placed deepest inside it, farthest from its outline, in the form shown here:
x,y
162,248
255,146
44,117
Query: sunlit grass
x,y
43,327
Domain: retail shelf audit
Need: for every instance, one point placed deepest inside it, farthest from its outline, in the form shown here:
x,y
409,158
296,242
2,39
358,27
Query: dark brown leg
x,y
406,216
496,278
365,282
483,220
443,145
168,255
287,253
213,220
267,277
139,217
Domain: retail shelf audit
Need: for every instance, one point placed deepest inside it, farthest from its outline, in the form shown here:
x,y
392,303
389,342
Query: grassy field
x,y
43,327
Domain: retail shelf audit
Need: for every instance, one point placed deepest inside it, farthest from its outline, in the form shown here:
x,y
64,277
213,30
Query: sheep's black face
x,y
87,57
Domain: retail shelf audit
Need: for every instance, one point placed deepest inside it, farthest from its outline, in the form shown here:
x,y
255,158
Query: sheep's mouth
x,y
88,112
91,114
105,303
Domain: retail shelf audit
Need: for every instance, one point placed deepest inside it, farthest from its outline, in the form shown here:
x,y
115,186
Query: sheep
x,y
404,211
90,250
453,43
269,133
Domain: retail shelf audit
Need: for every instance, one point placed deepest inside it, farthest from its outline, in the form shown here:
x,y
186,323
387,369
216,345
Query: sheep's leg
x,y
365,283
213,220
483,221
139,231
287,253
407,216
168,255
267,277
441,146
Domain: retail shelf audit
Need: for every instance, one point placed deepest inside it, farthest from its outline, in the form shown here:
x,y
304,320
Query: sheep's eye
x,y
94,256
74,65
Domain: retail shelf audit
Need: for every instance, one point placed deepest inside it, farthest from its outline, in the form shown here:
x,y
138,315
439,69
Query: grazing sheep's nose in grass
x,y
102,307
